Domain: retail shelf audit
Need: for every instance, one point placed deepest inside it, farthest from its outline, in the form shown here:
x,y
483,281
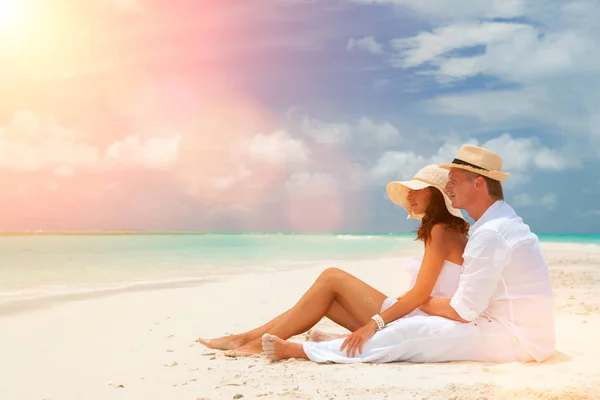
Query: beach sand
x,y
142,345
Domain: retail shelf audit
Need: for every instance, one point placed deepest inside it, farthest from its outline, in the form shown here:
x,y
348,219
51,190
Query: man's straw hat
x,y
479,160
431,175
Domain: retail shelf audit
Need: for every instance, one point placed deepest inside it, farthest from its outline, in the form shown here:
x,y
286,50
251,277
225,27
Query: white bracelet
x,y
377,318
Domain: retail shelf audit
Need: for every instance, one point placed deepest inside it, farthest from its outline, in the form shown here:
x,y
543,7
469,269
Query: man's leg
x,y
415,339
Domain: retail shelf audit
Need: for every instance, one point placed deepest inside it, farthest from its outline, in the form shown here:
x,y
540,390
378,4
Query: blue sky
x,y
515,76
294,114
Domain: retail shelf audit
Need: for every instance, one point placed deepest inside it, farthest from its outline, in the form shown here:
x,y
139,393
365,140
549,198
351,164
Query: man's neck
x,y
478,209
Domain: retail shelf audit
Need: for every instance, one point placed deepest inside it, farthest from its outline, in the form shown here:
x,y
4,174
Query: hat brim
x,y
495,175
398,193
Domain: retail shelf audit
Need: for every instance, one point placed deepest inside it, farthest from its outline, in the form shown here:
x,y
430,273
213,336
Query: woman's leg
x,y
340,316
278,349
360,300
336,313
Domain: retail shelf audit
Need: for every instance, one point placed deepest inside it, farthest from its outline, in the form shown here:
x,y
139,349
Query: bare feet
x,y
250,349
279,349
318,335
223,343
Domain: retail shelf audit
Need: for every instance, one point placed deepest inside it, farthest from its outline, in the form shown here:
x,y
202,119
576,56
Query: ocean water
x,y
570,238
39,266
36,266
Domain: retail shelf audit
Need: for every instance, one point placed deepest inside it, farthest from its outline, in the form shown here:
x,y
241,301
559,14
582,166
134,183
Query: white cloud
x,y
33,142
428,46
245,173
550,58
384,133
151,153
368,44
279,148
326,133
314,202
512,51
449,149
548,201
521,156
490,106
523,200
397,165
549,160
307,184
365,130
228,182
458,9
381,83
593,128
587,213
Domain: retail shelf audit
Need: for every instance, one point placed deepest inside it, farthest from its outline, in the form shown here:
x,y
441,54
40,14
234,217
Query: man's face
x,y
460,190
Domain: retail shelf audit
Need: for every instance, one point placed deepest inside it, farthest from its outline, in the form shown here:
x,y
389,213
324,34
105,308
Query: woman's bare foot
x,y
318,335
223,343
279,349
249,349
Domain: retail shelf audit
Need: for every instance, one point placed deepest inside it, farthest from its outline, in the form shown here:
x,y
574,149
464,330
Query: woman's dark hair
x,y
437,213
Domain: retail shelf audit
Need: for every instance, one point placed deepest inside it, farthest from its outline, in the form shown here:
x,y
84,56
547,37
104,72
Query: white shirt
x,y
506,278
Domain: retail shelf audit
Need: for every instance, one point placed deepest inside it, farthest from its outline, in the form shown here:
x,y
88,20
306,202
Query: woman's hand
x,y
358,338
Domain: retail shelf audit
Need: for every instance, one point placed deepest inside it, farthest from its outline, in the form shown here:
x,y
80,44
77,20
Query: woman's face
x,y
419,200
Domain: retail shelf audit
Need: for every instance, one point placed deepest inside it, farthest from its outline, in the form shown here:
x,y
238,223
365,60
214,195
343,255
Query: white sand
x,y
145,341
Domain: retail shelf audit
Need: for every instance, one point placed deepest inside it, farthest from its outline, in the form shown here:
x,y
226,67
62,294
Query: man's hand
x,y
358,338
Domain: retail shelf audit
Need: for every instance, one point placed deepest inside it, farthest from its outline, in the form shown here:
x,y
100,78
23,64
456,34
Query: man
x,y
503,309
505,277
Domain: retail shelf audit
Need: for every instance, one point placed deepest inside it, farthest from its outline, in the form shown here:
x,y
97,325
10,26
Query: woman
x,y
352,303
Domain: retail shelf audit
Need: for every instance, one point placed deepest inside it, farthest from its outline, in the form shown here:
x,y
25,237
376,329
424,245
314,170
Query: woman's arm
x,y
441,307
433,260
401,296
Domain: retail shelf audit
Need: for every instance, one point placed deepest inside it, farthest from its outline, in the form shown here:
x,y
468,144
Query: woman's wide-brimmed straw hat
x,y
429,176
479,160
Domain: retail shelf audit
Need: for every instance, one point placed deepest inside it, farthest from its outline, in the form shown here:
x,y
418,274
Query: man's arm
x,y
440,307
485,257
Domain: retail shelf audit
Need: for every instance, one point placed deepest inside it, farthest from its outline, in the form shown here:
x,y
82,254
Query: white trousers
x,y
419,337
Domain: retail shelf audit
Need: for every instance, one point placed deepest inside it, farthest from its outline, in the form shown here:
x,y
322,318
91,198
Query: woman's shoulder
x,y
443,231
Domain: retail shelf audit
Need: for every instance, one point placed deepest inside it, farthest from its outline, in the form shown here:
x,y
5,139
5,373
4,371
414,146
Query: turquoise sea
x,y
35,266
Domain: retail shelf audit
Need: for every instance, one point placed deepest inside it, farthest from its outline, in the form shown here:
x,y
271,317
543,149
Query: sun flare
x,y
9,15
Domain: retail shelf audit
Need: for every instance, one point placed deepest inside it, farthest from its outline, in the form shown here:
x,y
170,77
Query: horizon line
x,y
115,232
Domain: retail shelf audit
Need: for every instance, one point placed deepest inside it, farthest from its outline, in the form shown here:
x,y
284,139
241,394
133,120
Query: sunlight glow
x,y
9,14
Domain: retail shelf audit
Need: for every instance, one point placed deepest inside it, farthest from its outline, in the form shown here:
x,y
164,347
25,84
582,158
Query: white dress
x,y
445,286
419,337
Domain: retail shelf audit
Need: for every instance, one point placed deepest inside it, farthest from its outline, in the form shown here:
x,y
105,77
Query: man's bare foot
x,y
279,349
250,349
318,335
223,343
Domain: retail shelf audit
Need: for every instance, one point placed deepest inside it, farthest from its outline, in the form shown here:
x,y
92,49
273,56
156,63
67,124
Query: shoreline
x,y
588,238
17,305
199,233
576,252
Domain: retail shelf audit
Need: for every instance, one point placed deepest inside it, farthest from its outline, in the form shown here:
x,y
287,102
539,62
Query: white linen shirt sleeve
x,y
485,257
